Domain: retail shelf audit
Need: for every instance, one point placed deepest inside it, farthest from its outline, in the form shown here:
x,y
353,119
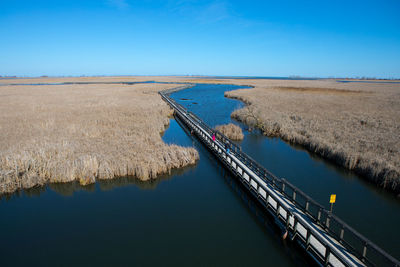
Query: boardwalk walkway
x,y
325,237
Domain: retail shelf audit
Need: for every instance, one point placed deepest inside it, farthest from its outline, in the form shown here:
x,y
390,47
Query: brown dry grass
x,y
231,131
83,133
356,125
329,91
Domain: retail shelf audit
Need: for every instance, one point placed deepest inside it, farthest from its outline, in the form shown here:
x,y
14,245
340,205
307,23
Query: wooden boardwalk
x,y
325,237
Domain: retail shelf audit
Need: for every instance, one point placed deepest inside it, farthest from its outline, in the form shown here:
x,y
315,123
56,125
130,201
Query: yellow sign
x,y
333,199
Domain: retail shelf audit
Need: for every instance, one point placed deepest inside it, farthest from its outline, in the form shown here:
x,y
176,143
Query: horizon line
x,y
202,76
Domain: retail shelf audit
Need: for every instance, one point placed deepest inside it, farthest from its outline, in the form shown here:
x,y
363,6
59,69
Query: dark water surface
x,y
196,216
371,211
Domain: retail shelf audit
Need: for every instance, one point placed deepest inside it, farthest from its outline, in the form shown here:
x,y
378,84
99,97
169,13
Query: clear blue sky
x,y
259,38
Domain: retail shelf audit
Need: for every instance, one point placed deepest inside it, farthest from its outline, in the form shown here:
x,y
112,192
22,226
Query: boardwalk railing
x,y
323,235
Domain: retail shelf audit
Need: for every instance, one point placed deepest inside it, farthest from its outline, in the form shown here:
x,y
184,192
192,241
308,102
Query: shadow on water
x,y
191,215
257,137
359,203
198,215
68,189
264,220
111,184
257,134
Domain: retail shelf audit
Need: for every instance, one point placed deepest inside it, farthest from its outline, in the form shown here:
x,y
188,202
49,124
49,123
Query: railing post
x,y
319,215
364,252
341,233
327,253
294,223
308,238
327,221
288,215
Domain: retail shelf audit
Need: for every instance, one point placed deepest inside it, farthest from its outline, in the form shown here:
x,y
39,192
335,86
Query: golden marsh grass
x,y
231,131
356,125
64,133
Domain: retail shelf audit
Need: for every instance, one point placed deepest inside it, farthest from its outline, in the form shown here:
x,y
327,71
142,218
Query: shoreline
x,y
380,174
85,133
329,90
338,159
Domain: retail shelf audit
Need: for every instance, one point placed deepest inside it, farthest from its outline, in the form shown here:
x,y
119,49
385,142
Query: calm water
x,y
195,216
372,212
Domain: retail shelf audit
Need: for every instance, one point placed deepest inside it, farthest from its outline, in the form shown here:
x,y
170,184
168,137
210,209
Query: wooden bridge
x,y
326,238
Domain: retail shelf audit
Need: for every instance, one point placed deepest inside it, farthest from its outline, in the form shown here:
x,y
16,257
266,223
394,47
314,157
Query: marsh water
x,y
198,215
368,209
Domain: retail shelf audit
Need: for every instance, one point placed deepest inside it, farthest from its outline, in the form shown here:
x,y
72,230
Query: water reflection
x,y
313,175
110,184
68,189
266,221
199,215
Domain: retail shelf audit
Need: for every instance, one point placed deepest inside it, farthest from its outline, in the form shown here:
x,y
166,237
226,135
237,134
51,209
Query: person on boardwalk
x,y
226,147
213,137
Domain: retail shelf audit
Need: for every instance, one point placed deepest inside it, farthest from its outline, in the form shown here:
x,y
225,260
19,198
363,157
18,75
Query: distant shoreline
x,y
222,77
351,123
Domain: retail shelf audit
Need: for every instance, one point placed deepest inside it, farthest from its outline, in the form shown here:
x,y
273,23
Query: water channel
x,y
370,210
198,215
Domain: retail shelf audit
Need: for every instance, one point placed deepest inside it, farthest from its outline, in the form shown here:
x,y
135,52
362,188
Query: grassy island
x,y
83,132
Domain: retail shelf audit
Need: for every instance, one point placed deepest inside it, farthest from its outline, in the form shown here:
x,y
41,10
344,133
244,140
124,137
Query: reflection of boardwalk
x,y
324,236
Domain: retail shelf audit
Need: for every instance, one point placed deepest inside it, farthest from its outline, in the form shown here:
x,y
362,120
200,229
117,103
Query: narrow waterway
x,y
194,216
368,209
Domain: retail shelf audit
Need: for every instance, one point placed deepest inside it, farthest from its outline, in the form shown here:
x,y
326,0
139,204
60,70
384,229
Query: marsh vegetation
x,y
356,125
231,131
85,132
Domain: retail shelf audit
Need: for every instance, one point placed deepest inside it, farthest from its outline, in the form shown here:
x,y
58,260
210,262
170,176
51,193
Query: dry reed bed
x,y
82,133
356,125
231,131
